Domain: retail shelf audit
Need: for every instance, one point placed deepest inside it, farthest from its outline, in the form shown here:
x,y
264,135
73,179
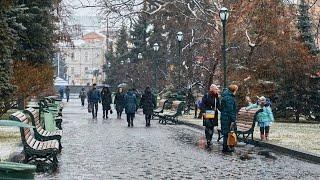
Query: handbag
x,y
89,107
232,138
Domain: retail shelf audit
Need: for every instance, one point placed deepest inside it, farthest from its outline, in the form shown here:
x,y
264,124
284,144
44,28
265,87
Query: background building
x,y
85,59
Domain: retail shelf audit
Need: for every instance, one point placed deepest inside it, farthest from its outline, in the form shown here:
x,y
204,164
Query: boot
x,y
267,136
131,122
262,137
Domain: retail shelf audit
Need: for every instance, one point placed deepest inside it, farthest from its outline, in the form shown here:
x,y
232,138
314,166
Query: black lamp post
x,y
179,38
155,66
224,14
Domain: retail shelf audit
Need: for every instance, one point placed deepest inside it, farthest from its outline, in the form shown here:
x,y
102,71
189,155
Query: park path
x,y
108,149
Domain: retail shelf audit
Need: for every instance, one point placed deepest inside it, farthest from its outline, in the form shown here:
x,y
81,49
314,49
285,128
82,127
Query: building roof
x,y
94,37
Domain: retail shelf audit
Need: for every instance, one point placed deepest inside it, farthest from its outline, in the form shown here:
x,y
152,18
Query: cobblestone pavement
x,y
110,150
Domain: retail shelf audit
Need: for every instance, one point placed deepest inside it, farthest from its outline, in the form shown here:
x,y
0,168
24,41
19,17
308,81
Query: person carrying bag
x,y
211,104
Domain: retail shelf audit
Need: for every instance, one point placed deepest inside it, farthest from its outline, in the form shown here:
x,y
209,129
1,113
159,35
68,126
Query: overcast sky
x,y
83,11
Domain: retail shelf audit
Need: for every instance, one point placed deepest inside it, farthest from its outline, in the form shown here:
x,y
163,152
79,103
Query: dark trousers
x,y
148,119
67,97
94,109
119,113
82,101
130,117
264,129
105,113
209,133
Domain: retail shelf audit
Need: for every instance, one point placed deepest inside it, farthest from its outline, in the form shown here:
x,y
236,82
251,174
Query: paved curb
x,y
308,156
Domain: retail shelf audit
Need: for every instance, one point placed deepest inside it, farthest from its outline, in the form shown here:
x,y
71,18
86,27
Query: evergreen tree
x,y
305,27
36,40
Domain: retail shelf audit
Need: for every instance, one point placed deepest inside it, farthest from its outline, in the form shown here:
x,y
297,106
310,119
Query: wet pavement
x,y
108,149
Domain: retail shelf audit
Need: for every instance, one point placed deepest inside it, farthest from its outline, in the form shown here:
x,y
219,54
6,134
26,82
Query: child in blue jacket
x,y
264,117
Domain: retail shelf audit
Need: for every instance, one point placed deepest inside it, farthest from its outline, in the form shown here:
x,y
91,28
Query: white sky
x,y
83,11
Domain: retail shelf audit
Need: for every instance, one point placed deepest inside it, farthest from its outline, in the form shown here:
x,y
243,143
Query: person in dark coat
x,y
93,99
106,101
228,114
130,100
119,102
83,96
148,103
61,91
211,103
67,91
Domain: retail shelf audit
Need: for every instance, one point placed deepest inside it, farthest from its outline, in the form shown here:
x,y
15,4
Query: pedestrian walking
x,y
119,102
148,103
61,91
83,96
94,98
67,91
106,102
130,106
264,116
211,105
228,114
190,100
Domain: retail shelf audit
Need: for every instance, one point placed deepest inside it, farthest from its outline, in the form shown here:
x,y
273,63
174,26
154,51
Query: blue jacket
x,y
228,111
94,96
265,115
130,100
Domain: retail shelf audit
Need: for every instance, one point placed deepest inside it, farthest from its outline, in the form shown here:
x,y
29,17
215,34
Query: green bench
x,y
39,132
160,108
172,114
38,152
50,114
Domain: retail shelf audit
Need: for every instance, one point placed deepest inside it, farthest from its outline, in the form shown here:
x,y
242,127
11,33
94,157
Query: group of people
x,y
211,103
66,91
123,102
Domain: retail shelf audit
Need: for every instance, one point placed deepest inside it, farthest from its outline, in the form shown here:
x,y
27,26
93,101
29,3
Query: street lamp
x,y
155,66
179,38
224,15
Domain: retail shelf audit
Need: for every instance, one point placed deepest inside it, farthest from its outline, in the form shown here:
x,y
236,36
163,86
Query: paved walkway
x,y
110,150
298,136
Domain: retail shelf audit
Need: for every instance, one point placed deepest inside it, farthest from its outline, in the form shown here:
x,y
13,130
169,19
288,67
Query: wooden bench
x,y
171,115
39,132
38,152
245,124
160,108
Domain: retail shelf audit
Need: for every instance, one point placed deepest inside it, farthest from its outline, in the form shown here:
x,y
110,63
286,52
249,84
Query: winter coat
x,y
119,101
130,102
148,103
228,111
210,102
94,96
67,90
106,99
83,94
265,116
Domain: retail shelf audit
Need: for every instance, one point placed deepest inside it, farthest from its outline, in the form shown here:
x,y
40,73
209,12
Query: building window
x,y
72,70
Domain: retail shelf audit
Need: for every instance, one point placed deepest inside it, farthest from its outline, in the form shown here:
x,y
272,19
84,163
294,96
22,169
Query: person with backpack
x,y
148,103
83,96
264,116
130,100
211,105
